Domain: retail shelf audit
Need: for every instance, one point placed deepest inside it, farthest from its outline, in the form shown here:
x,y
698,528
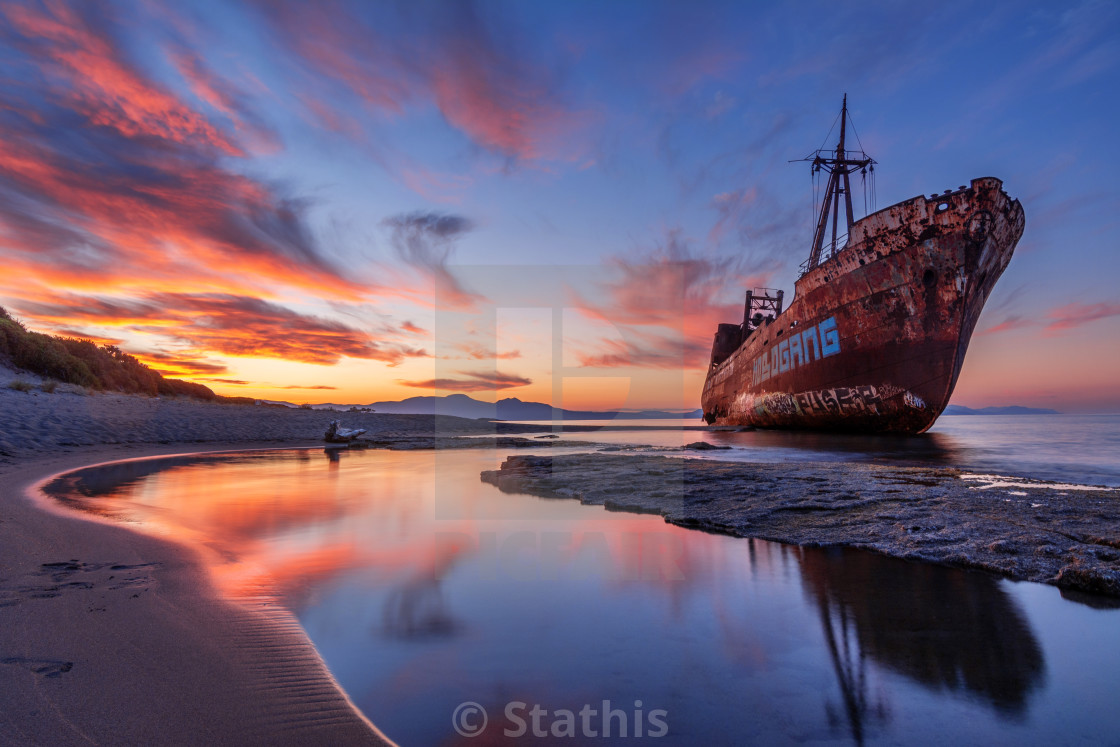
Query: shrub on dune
x,y
83,362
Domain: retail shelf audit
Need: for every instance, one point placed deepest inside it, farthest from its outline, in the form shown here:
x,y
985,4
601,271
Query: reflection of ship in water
x,y
944,628
417,608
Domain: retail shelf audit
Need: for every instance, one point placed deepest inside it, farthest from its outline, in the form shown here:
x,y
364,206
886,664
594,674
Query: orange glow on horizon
x,y
595,393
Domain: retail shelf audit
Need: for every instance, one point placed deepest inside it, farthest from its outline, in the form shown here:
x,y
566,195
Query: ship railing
x,y
841,245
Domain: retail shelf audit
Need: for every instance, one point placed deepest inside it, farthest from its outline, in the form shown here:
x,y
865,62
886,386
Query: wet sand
x,y
112,636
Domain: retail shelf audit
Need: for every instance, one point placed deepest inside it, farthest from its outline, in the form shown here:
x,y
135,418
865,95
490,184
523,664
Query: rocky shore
x,y
1068,536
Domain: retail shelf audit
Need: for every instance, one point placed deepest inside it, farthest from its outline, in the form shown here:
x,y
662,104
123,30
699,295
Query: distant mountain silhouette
x,y
463,406
1010,410
512,409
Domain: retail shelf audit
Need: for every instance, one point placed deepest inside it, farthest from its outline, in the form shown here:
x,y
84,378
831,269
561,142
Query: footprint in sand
x,y
54,579
131,576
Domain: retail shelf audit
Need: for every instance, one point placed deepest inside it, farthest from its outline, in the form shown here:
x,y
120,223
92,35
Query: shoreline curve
x,y
116,635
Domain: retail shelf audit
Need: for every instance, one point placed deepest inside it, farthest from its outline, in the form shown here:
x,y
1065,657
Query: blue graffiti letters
x,y
799,349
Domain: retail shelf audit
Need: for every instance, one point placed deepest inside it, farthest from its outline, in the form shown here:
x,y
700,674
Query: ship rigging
x,y
881,316
839,164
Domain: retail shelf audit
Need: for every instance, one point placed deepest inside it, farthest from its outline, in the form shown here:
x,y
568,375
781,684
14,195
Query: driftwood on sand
x,y
336,434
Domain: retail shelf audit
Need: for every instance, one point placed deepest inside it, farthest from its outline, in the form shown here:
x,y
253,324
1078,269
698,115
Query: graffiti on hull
x,y
813,343
855,400
843,400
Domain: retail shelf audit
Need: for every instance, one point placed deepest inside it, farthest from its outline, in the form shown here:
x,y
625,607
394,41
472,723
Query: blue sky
x,y
314,175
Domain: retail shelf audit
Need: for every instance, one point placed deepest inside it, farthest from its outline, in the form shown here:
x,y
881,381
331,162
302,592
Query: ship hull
x,y
875,337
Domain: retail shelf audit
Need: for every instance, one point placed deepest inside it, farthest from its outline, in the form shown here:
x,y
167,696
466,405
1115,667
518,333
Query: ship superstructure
x,y
882,314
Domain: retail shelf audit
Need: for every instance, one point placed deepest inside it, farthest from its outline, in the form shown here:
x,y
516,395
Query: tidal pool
x,y
425,589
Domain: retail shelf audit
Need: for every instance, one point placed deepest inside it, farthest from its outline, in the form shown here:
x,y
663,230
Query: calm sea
x,y
1081,449
431,595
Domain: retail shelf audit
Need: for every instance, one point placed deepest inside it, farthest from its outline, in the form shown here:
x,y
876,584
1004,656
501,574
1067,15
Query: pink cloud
x,y
1058,319
1008,324
330,118
502,101
226,324
435,186
98,82
224,97
666,304
1076,314
666,353
731,207
481,353
492,100
475,381
110,181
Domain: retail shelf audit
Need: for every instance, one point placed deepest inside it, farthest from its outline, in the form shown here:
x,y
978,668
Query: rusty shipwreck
x,y
875,336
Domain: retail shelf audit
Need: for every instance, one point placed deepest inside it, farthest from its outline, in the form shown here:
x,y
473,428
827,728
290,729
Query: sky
x,y
555,201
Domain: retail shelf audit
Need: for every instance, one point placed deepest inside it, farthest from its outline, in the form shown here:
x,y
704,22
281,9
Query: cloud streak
x,y
482,353
91,77
170,364
228,324
474,381
445,55
1058,319
665,302
122,205
1077,314
110,179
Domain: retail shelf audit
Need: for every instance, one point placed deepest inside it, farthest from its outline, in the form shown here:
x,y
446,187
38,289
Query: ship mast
x,y
839,164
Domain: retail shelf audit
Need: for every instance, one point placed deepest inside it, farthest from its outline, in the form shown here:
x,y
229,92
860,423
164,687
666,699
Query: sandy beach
x,y
34,422
112,636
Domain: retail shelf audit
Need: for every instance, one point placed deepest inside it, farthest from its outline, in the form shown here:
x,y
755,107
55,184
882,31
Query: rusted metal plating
x,y
875,336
